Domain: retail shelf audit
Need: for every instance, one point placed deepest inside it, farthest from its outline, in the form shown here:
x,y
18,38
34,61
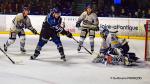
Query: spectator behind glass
x,y
148,14
66,12
105,11
112,12
143,14
29,5
129,15
35,9
9,8
1,8
135,15
16,8
139,13
43,8
123,13
5,8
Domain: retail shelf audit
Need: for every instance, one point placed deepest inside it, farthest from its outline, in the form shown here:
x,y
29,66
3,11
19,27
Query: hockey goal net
x,y
147,41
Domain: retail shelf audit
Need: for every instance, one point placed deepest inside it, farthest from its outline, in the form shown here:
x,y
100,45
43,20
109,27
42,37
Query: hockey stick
x,y
7,56
82,46
38,33
77,42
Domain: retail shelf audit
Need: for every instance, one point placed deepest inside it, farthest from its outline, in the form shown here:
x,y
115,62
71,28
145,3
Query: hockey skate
x,y
23,51
92,49
33,57
63,58
79,48
99,59
126,61
36,54
5,47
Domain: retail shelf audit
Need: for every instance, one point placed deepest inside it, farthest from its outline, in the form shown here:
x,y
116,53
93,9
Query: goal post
x,y
147,41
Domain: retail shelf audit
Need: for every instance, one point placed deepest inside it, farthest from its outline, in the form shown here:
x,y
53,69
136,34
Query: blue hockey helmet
x,y
56,10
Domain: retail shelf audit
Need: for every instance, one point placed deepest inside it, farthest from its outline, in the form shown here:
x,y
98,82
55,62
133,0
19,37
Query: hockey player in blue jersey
x,y
50,29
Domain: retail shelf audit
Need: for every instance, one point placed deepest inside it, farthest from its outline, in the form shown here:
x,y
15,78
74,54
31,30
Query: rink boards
x,y
132,28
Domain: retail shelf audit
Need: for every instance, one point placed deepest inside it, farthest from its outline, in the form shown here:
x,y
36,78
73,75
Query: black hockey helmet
x,y
88,5
25,9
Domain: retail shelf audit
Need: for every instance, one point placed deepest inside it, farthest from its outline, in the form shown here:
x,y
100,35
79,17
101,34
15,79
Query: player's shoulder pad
x,y
84,13
94,14
19,16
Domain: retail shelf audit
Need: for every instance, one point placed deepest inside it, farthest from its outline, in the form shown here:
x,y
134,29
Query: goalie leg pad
x,y
132,57
99,59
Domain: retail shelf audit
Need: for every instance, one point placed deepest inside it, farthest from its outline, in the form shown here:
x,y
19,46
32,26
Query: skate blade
x,y
19,63
64,59
23,52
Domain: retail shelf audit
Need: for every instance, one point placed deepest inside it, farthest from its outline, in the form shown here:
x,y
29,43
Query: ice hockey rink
x,y
78,69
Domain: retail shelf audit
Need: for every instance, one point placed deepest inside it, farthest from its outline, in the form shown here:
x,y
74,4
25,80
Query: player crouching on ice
x,y
20,22
113,50
90,25
50,29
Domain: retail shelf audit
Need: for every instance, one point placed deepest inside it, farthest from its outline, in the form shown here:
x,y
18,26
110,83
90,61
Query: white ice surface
x,y
78,69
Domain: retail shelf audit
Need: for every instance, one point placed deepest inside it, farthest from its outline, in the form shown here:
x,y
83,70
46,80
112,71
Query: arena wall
x,y
127,27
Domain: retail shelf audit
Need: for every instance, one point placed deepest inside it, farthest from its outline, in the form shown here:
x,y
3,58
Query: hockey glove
x,y
78,24
97,28
34,31
69,34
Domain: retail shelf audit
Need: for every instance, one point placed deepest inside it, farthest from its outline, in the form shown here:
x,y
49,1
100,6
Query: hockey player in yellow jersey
x,y
90,25
20,22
